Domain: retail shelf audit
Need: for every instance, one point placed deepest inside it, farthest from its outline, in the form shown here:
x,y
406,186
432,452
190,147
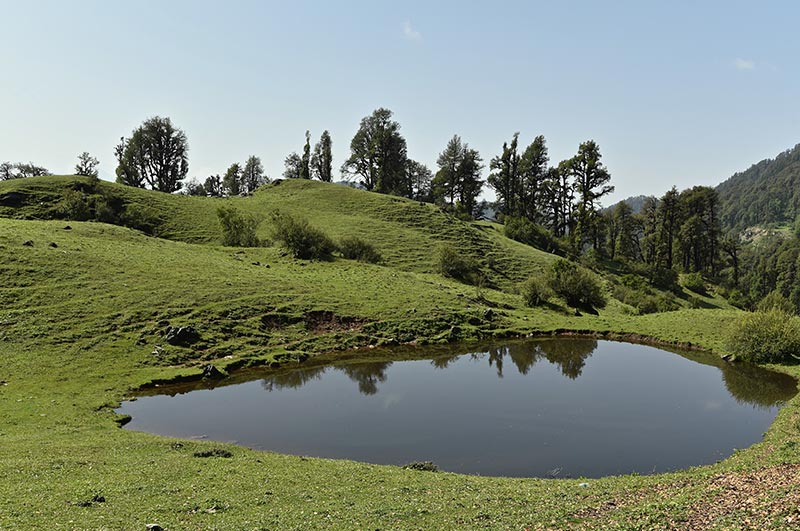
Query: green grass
x,y
79,323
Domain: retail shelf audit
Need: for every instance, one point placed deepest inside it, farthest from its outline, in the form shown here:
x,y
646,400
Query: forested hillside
x,y
767,192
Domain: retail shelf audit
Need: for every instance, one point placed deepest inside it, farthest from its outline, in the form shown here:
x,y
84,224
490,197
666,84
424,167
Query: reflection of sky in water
x,y
522,409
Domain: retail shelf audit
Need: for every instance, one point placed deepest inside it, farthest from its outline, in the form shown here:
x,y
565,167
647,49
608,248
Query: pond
x,y
539,408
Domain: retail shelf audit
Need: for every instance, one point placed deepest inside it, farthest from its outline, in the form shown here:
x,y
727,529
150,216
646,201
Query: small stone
x,y
67,228
210,372
53,245
27,243
154,527
583,485
488,314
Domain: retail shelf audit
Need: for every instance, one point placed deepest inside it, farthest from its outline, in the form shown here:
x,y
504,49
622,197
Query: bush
x,y
776,301
525,231
641,298
694,282
300,238
450,263
238,230
535,292
354,248
74,205
577,286
772,336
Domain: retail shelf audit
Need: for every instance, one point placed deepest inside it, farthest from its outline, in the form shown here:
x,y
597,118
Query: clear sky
x,y
675,93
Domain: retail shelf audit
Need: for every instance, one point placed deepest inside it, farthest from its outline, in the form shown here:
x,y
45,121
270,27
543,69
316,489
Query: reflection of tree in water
x,y
444,361
292,379
496,359
570,355
368,375
757,386
524,355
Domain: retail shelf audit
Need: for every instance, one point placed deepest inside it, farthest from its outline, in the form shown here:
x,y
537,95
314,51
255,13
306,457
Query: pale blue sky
x,y
674,92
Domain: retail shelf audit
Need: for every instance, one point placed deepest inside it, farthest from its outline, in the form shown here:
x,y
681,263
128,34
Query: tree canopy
x,y
155,156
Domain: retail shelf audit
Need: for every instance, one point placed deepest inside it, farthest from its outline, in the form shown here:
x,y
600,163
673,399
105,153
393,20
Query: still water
x,y
543,408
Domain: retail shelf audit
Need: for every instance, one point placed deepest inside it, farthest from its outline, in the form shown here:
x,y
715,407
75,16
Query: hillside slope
x,y
406,233
83,315
767,192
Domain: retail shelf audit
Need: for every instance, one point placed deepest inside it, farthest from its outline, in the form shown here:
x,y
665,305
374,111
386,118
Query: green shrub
x,y
772,336
535,292
643,299
238,230
694,282
300,238
525,231
143,218
776,301
74,205
450,263
354,248
576,285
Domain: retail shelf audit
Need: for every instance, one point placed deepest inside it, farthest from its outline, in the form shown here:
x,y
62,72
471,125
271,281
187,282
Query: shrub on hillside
x,y
74,205
643,299
354,248
776,301
450,263
576,285
525,231
300,238
238,229
694,282
535,292
772,336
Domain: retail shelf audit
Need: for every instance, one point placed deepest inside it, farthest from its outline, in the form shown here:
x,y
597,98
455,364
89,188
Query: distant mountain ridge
x,y
767,192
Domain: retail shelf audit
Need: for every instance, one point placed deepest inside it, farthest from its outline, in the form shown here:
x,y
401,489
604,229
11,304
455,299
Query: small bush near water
x,y
535,292
300,238
576,285
354,248
772,336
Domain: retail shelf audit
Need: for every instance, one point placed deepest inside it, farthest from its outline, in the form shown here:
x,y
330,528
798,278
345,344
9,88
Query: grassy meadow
x,y
82,306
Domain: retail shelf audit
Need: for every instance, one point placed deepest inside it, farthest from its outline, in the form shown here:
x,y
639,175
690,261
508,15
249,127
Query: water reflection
x,y
524,408
748,384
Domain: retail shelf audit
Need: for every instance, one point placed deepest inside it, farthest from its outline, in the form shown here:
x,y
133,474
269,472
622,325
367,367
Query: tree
x,y
625,244
558,198
591,183
322,160
420,178
505,179
232,181
305,161
87,165
533,172
378,155
732,246
213,186
458,181
293,166
20,170
668,217
194,188
252,174
155,155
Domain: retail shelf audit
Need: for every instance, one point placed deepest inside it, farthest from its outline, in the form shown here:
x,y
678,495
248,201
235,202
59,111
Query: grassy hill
x,y
83,310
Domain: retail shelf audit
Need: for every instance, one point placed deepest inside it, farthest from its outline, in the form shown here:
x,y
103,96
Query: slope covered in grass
x,y
81,325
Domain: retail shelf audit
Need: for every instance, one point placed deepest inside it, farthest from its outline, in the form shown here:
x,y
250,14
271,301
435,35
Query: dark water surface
x,y
554,407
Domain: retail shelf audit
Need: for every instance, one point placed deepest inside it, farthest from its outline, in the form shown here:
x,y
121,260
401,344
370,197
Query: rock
x,y
184,335
53,245
216,452
154,527
67,228
212,373
577,313
27,243
488,314
583,485
730,358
